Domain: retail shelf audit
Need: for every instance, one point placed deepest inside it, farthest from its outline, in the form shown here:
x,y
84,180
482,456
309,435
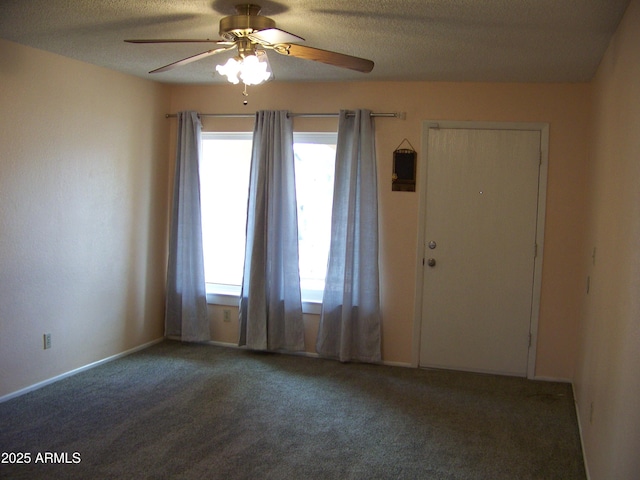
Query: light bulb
x,y
231,70
255,69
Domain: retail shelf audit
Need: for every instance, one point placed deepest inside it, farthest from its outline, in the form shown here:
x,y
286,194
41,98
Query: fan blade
x,y
193,58
274,35
178,40
325,56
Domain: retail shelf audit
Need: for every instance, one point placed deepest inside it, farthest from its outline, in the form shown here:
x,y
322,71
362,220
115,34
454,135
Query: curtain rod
x,y
400,115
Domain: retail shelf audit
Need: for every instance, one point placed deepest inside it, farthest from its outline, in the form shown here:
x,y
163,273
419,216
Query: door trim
x,y
543,128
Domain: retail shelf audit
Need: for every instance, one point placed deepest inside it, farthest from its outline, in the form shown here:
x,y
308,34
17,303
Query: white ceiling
x,y
433,40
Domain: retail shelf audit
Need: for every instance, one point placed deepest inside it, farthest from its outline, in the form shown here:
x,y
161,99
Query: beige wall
x,y
607,383
564,106
83,201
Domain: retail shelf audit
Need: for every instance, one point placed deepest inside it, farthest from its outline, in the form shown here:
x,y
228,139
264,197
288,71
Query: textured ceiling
x,y
434,40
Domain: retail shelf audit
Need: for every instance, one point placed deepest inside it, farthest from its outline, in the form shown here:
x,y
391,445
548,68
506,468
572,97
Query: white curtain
x,y
270,304
350,320
186,303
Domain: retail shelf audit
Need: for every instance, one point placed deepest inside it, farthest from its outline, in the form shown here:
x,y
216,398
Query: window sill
x,y
229,296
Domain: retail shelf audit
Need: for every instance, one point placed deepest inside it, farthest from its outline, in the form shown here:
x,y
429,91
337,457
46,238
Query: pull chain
x,y
245,102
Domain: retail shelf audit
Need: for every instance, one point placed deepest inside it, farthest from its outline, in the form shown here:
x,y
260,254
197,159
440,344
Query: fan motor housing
x,y
247,21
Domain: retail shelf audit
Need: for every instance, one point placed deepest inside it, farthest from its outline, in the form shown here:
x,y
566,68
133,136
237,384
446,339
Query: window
x,y
224,172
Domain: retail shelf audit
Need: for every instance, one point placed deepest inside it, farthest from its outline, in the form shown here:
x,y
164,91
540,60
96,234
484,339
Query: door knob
x,y
431,262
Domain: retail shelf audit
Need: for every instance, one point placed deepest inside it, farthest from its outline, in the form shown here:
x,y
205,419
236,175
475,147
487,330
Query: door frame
x,y
427,126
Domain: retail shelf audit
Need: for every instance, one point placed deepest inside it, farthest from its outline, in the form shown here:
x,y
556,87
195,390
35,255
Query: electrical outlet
x,y
47,341
226,315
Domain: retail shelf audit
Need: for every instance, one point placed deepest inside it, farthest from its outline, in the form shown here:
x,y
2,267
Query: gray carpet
x,y
199,411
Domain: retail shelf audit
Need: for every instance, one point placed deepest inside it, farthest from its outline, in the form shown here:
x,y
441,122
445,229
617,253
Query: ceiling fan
x,y
250,33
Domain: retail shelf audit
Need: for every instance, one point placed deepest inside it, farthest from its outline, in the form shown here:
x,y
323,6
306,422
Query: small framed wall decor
x,y
404,169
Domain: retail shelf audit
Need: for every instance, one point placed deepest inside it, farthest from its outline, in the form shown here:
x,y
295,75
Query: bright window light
x,y
224,173
224,185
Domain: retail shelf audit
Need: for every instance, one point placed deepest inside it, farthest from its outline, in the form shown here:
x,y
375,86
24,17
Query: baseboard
x,y
552,379
398,364
62,376
584,452
223,344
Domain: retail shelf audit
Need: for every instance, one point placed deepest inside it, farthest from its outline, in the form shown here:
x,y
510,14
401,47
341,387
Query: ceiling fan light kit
x,y
253,69
248,30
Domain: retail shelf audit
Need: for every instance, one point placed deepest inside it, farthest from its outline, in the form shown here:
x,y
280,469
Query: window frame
x,y
229,295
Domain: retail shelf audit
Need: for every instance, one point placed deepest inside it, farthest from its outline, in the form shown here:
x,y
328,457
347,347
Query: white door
x,y
480,246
